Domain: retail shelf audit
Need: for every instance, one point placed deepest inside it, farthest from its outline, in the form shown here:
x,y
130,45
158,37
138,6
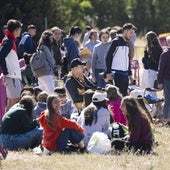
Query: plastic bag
x,y
99,143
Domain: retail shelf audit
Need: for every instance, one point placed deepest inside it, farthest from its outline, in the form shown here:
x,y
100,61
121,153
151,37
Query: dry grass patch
x,y
27,160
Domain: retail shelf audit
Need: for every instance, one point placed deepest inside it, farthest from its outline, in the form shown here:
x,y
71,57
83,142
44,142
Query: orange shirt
x,y
50,135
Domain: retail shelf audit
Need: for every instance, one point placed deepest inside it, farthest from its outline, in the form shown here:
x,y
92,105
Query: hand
x,y
4,79
93,79
131,80
160,86
109,76
126,137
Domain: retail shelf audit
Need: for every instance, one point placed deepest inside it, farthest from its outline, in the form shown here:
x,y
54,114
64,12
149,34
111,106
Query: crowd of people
x,y
95,73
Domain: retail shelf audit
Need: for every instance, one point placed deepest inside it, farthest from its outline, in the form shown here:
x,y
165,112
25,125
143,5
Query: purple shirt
x,y
142,134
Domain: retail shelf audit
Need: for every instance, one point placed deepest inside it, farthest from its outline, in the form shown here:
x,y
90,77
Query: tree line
x,y
146,15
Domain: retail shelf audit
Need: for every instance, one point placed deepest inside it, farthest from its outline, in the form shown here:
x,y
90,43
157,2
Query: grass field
x,y
160,161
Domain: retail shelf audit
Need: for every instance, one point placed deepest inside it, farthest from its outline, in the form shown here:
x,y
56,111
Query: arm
x,y
29,45
161,68
73,52
70,124
109,57
50,58
73,111
4,51
94,58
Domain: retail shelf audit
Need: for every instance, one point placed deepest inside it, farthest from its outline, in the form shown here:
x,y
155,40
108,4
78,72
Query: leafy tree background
x,y
145,14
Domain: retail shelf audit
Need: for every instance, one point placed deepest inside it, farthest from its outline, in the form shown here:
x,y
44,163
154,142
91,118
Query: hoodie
x,y
26,44
102,124
72,50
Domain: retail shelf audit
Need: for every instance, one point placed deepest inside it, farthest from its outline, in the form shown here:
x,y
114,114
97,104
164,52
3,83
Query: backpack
x,y
118,131
39,63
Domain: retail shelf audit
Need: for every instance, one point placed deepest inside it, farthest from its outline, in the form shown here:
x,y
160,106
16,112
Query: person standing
x,y
150,60
118,59
71,45
10,64
164,80
45,79
98,58
56,50
93,40
26,44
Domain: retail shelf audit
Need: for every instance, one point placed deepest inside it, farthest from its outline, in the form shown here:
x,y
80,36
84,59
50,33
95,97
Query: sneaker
x,y
38,150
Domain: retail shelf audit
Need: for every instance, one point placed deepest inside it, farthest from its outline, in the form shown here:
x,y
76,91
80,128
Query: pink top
x,y
118,116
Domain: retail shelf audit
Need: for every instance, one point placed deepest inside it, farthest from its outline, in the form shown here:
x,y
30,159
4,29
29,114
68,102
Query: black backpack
x,y
117,131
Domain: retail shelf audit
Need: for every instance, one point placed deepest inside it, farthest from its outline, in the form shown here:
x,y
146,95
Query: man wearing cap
x,y
117,58
26,44
77,83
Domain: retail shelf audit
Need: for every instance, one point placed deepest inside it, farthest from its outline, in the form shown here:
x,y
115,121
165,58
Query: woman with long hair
x,y
45,80
139,127
57,130
150,60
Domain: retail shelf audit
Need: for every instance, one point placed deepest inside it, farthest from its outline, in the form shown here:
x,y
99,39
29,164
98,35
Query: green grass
x,y
27,160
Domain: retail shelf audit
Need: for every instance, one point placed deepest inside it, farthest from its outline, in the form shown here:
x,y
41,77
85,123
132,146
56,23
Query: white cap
x,y
137,94
98,97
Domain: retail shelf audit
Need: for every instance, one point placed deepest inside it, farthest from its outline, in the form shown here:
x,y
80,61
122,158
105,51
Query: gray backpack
x,y
39,63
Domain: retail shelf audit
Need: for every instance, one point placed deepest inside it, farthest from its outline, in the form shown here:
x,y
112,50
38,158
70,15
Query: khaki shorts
x,y
13,87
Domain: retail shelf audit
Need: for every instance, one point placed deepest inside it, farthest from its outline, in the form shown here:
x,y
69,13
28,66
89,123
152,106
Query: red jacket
x,y
50,135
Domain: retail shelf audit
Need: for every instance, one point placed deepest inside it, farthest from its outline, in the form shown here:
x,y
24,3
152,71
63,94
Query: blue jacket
x,y
72,50
38,109
26,44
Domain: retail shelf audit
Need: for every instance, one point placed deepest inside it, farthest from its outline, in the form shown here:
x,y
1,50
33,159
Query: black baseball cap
x,y
75,62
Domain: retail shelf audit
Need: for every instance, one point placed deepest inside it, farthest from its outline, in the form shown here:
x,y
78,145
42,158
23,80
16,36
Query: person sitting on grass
x,y
18,130
95,117
68,109
58,130
41,104
114,100
139,127
77,83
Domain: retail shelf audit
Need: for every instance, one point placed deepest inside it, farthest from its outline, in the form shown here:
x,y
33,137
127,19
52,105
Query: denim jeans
x,y
100,81
69,134
166,108
27,140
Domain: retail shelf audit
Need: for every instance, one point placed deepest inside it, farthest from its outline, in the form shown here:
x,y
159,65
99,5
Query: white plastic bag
x,y
99,143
